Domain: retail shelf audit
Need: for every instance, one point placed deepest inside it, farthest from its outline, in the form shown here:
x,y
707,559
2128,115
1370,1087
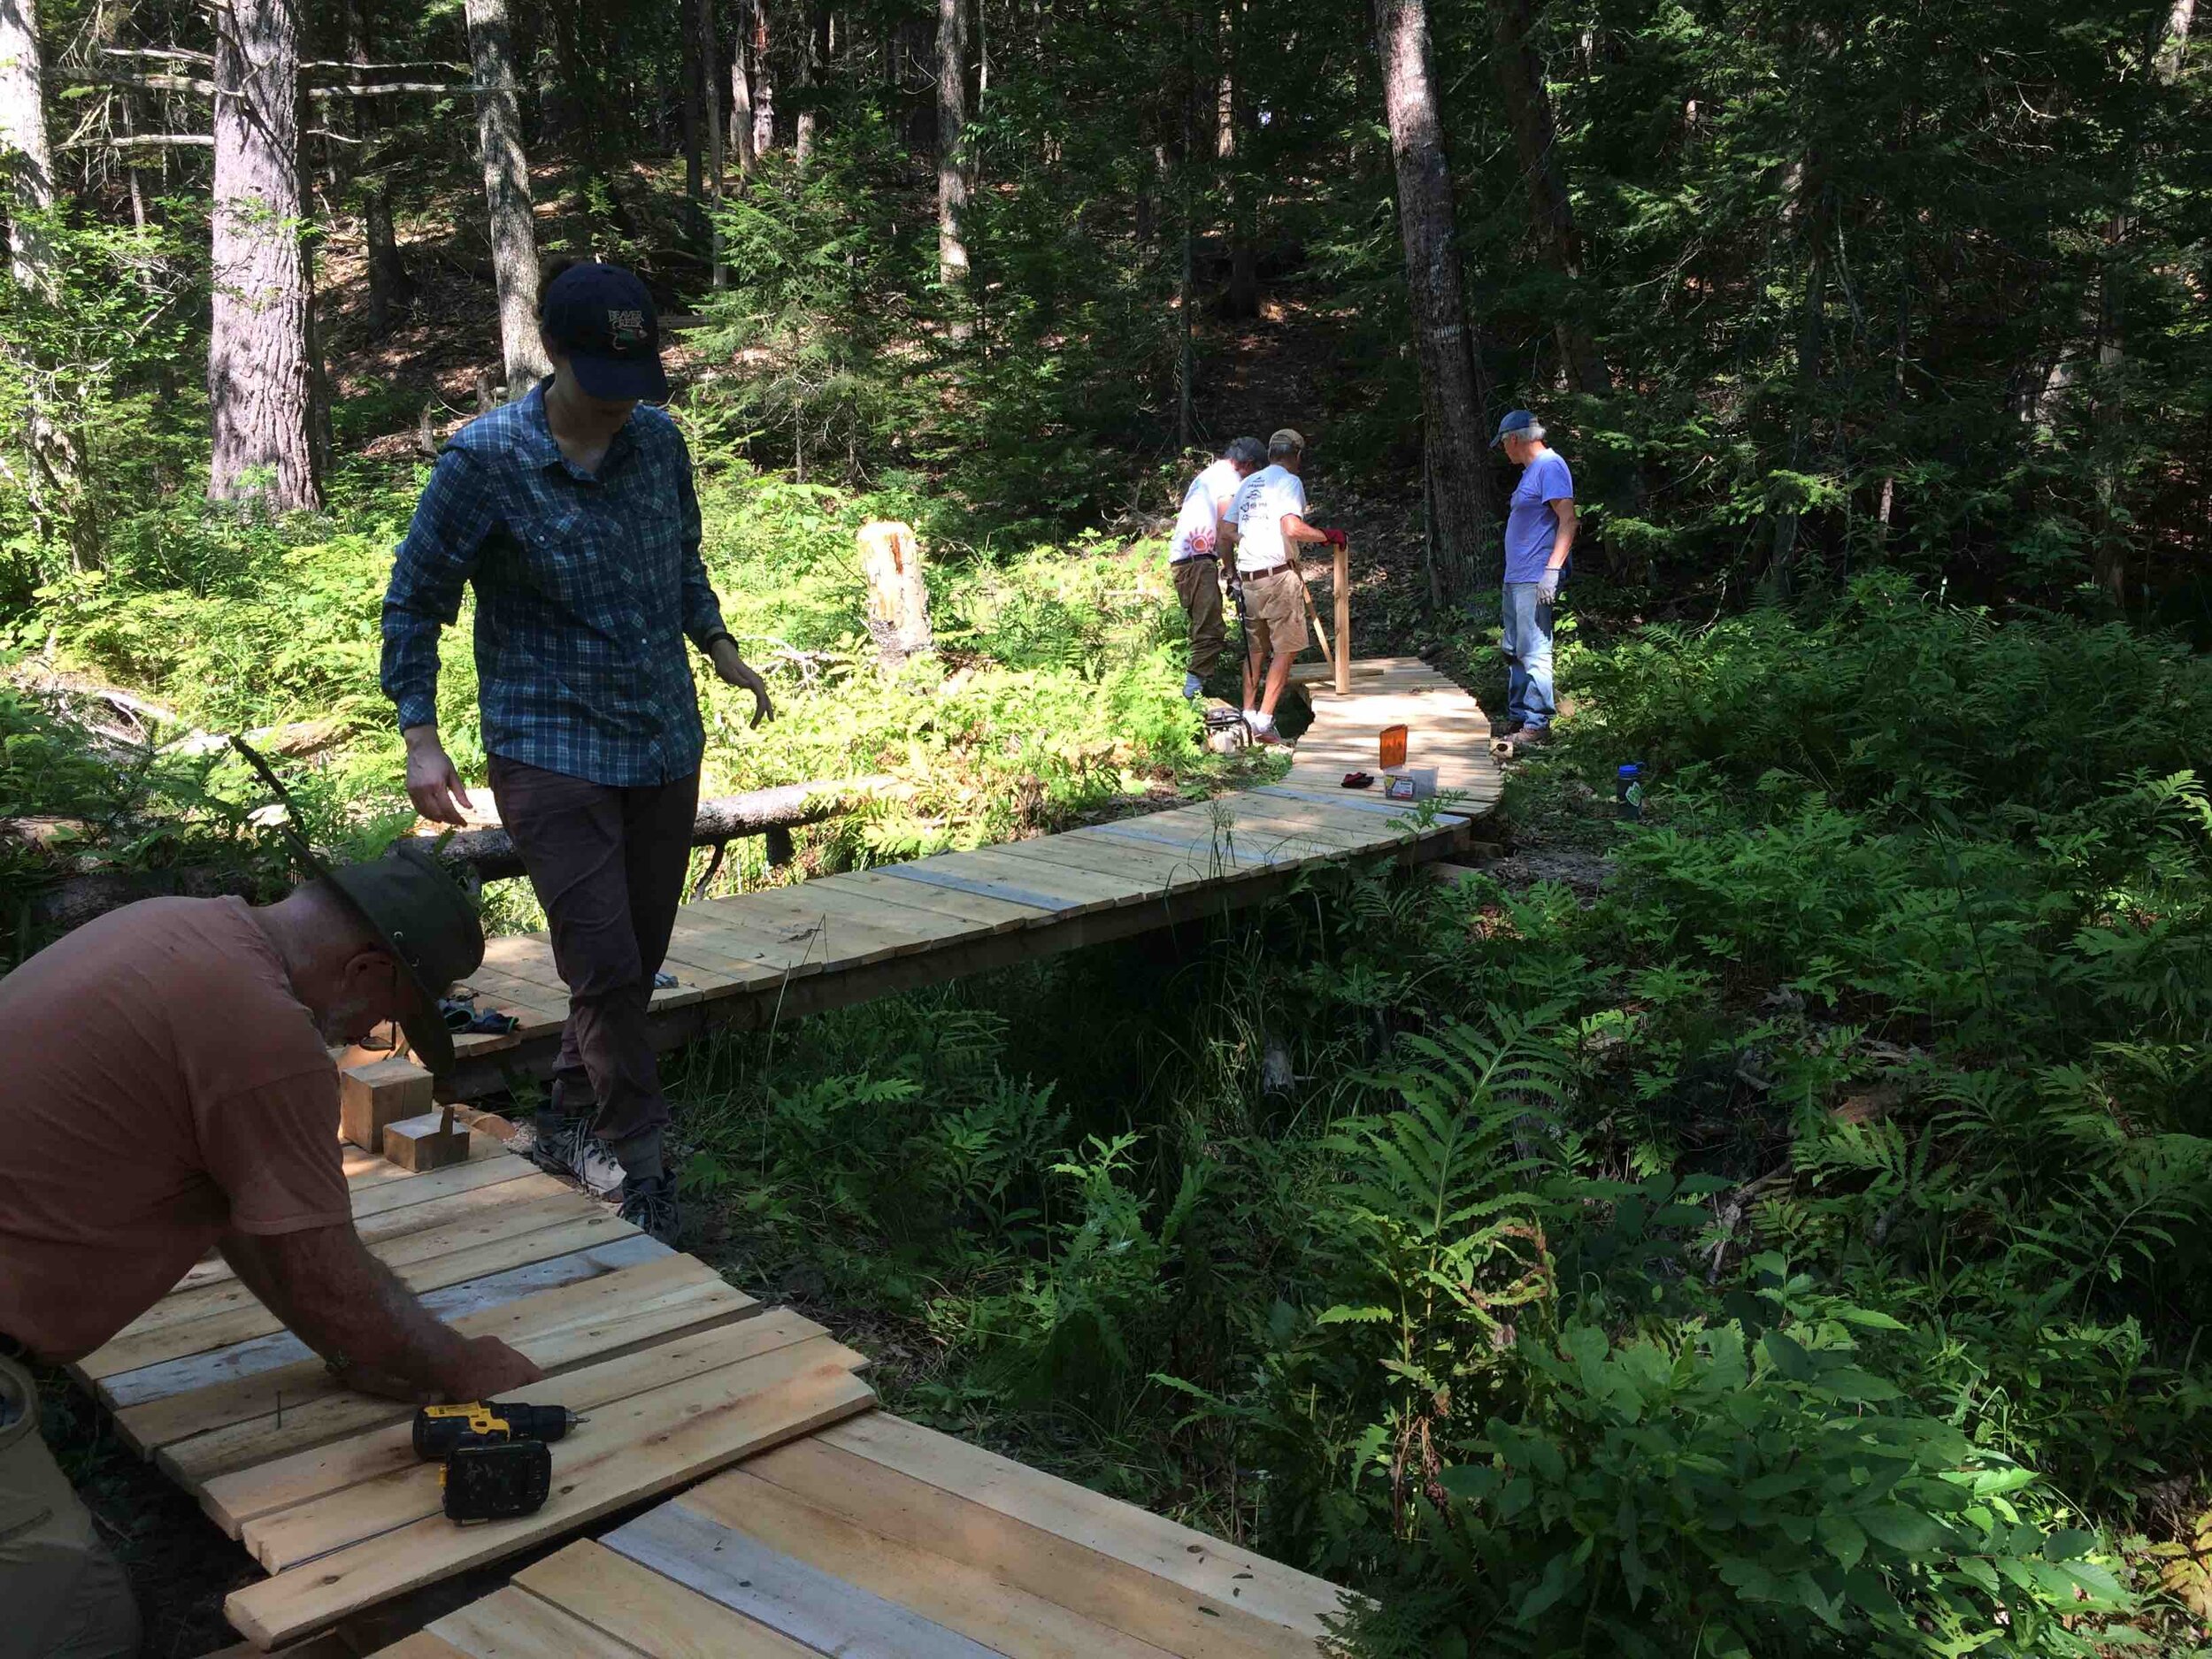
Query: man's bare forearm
x,y
347,1305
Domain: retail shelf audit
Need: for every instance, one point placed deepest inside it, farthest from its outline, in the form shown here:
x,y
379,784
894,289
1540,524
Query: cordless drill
x,y
496,1455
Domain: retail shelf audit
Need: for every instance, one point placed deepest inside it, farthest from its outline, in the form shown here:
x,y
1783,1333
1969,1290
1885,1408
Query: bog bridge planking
x,y
793,1517
749,959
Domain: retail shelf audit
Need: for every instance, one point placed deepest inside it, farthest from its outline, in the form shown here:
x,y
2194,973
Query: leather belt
x,y
1253,576
1192,558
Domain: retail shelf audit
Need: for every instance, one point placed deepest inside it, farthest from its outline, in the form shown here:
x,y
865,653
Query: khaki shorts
x,y
1275,614
62,1594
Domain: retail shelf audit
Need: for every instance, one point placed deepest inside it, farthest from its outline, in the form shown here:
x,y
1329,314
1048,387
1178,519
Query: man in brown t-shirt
x,y
169,1089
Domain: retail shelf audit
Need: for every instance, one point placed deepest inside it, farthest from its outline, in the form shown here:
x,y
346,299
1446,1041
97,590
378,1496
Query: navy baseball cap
x,y
602,318
1518,423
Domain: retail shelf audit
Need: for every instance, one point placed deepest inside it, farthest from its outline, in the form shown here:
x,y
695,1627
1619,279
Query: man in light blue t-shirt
x,y
1539,535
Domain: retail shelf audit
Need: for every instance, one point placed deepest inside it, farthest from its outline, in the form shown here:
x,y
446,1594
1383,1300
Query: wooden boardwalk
x,y
822,1525
837,939
862,1535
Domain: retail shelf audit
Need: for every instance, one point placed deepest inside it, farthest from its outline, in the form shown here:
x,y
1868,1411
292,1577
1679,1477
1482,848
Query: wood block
x,y
431,1142
371,1097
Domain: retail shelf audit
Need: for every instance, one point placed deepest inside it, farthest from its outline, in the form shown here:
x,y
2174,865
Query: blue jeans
x,y
1527,640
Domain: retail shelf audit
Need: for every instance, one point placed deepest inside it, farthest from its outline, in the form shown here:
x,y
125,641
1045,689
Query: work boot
x,y
649,1205
558,1146
1531,736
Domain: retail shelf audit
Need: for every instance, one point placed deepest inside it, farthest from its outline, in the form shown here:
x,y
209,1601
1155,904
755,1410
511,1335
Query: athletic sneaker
x,y
650,1207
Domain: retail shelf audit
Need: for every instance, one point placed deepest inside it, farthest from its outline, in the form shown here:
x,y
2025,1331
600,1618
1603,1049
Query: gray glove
x,y
1547,588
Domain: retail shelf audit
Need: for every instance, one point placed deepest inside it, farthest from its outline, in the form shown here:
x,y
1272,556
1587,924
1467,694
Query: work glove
x,y
1547,588
1335,538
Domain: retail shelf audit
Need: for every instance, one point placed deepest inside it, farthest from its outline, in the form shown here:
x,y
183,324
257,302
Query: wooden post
x,y
898,594
428,1142
374,1096
1343,621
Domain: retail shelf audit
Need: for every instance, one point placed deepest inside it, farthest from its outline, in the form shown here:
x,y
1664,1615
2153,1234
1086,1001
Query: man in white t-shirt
x,y
1194,556
1270,516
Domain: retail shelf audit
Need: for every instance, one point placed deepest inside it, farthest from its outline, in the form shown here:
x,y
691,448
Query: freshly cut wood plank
x,y
650,1614
998,914
422,1189
1004,1618
276,1486
366,1169
932,875
1369,800
652,1442
916,929
1158,1545
1203,841
1268,823
1169,1617
213,1391
1080,889
1158,869
486,1183
421,1645
511,1623
407,1490
469,1247
856,933
815,1608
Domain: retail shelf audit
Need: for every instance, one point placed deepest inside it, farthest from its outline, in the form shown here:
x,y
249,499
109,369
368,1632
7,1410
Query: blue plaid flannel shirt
x,y
587,587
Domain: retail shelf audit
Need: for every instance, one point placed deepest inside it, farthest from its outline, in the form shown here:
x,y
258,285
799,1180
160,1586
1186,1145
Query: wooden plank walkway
x,y
878,1539
837,939
839,1530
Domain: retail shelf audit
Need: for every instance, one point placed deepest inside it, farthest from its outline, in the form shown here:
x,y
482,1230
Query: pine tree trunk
x,y
1243,298
742,91
1551,212
1456,444
952,178
260,372
813,54
710,71
390,287
507,195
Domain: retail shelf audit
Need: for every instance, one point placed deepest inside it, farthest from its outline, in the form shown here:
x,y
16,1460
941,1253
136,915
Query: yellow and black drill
x,y
496,1453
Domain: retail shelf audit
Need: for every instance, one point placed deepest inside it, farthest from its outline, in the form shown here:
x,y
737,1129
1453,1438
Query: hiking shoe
x,y
650,1207
558,1146
1531,736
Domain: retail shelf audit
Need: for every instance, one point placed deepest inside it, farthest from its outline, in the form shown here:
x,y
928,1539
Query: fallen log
x,y
73,900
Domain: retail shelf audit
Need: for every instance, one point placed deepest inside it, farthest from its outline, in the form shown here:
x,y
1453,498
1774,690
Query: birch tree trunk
x,y
1455,442
507,195
1520,74
952,178
260,372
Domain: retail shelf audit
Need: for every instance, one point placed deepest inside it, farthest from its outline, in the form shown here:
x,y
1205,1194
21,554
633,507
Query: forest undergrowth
x,y
1792,1247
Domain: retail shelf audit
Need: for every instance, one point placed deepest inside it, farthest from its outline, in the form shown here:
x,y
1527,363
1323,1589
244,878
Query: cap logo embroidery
x,y
627,327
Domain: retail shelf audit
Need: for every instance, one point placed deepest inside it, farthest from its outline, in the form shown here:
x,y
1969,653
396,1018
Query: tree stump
x,y
898,596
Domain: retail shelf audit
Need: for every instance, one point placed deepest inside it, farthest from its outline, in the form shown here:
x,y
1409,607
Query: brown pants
x,y
608,865
1198,585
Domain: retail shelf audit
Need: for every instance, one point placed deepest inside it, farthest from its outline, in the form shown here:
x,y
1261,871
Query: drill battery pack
x,y
490,1478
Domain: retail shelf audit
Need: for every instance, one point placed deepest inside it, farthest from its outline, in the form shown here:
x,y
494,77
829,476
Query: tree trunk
x,y
813,53
898,593
694,74
24,150
1811,336
710,54
507,195
764,83
742,91
1456,442
1551,212
952,178
1243,298
390,287
56,490
260,372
